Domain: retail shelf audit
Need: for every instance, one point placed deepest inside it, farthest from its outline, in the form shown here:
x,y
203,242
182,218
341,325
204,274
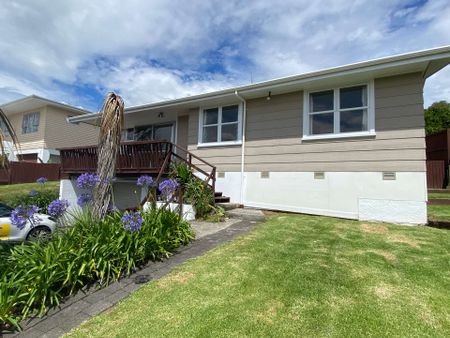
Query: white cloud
x,y
163,49
140,83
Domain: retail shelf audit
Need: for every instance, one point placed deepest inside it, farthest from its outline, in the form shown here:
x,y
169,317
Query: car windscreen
x,y
5,211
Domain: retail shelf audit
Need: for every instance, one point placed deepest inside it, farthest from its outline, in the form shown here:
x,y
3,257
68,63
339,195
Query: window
x,y
4,128
220,125
30,123
346,111
149,132
128,134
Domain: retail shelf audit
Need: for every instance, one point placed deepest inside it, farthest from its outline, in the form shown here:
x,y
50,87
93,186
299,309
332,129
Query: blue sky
x,y
74,51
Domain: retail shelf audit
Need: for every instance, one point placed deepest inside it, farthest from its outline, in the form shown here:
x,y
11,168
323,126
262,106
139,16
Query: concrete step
x,y
221,199
228,206
248,214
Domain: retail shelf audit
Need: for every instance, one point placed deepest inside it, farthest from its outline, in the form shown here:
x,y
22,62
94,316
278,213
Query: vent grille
x,y
265,174
389,176
220,174
319,175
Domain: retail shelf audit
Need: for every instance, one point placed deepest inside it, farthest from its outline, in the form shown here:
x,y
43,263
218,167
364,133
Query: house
x,y
41,127
346,141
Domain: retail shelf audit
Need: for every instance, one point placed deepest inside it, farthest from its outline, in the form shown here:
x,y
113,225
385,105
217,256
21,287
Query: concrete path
x,y
90,302
203,229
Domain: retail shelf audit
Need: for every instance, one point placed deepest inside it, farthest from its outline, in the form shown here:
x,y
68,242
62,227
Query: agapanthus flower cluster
x,y
57,208
144,181
42,180
87,181
132,221
33,193
23,214
168,187
84,199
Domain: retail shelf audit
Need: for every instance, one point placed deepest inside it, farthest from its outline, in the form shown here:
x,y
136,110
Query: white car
x,y
9,232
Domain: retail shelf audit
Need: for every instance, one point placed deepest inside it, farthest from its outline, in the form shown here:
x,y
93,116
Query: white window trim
x,y
370,114
219,127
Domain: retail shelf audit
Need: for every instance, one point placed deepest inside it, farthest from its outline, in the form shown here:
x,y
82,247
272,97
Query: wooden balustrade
x,y
143,157
136,158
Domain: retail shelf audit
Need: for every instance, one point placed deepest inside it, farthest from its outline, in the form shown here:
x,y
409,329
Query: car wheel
x,y
40,233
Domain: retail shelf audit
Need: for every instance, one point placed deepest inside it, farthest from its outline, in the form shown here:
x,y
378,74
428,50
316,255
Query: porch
x,y
137,158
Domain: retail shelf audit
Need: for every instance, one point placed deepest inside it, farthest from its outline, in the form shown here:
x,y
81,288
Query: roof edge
x,y
80,111
416,56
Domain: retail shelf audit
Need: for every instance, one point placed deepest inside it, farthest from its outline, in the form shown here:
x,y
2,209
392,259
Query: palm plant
x,y
7,131
108,146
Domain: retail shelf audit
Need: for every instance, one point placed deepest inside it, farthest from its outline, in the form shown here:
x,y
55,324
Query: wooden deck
x,y
137,158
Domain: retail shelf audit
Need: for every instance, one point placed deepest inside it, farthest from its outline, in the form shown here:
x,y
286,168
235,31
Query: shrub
x,y
41,198
36,275
197,193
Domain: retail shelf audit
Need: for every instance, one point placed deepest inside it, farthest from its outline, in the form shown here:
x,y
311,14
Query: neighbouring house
x,y
346,141
41,126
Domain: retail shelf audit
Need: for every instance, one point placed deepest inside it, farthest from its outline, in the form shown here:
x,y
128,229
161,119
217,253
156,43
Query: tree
x,y
437,117
108,146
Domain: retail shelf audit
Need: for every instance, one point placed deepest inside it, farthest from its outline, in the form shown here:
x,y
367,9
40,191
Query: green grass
x,y
438,195
297,276
8,192
439,212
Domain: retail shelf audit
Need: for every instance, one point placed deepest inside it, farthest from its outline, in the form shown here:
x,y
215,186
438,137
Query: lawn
x,y
438,195
298,275
8,192
439,212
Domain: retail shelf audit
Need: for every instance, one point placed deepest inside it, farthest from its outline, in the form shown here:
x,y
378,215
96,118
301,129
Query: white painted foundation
x,y
230,185
355,195
187,210
126,195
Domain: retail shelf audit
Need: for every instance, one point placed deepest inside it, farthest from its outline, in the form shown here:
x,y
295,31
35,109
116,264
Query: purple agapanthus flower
x,y
33,193
112,209
132,221
57,208
168,187
84,199
42,180
144,181
23,214
87,181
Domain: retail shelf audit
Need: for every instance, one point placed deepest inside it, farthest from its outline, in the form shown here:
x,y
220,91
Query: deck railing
x,y
134,158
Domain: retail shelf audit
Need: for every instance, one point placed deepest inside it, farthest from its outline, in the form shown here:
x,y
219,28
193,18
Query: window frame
x,y
337,112
219,124
38,113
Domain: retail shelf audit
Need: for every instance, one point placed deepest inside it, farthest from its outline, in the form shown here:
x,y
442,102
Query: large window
x,y
343,111
30,123
220,125
160,132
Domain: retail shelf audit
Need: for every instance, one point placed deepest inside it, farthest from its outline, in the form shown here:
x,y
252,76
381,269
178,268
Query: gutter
x,y
244,118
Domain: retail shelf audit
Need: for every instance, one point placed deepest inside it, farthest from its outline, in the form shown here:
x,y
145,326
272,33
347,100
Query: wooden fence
x,y
27,172
437,174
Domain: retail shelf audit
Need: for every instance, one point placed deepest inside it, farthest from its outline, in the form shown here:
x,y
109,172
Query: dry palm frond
x,y
7,133
108,146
